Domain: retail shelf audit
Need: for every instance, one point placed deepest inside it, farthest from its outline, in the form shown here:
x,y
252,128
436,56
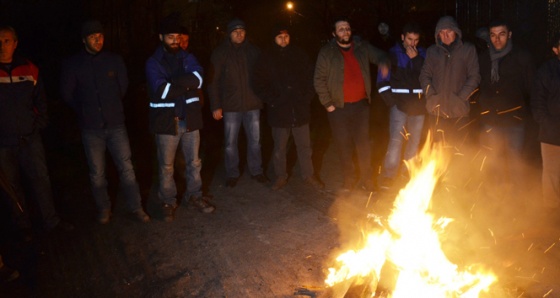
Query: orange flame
x,y
410,242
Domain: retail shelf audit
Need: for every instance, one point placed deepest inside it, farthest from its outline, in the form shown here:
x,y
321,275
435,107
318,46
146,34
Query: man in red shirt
x,y
343,82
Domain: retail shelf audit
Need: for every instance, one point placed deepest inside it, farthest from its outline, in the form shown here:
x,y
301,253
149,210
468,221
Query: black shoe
x,y
62,226
231,182
347,186
314,182
168,211
260,178
386,183
367,185
279,183
141,216
8,274
201,203
104,216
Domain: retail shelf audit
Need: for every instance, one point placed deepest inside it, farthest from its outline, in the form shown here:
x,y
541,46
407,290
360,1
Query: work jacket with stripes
x,y
172,86
402,86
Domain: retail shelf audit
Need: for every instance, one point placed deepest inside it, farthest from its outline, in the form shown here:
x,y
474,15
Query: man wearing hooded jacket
x,y
449,77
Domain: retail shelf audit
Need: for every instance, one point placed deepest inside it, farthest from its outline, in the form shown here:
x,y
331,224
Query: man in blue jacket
x,y
94,82
402,92
174,78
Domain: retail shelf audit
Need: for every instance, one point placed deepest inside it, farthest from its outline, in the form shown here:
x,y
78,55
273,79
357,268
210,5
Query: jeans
x,y
551,175
503,146
350,130
28,158
166,150
96,142
401,127
303,146
251,125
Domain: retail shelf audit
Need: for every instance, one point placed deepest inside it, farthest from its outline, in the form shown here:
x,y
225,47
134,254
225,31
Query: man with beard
x,y
233,99
284,80
343,81
506,77
174,78
93,83
545,103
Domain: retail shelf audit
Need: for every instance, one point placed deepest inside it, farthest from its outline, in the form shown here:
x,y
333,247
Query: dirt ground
x,y
261,243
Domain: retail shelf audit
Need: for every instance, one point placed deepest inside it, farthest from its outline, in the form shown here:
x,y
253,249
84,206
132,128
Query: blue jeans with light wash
x,y
401,127
251,125
166,150
96,142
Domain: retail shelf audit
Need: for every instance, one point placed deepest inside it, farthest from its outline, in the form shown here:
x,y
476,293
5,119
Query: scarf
x,y
495,57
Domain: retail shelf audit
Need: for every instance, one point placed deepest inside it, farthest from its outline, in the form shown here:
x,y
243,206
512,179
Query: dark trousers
x,y
350,131
28,158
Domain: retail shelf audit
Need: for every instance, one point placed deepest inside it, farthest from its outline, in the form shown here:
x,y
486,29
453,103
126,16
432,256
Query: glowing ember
x,y
410,243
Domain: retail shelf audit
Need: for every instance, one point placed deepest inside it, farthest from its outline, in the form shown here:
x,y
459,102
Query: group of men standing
x,y
415,83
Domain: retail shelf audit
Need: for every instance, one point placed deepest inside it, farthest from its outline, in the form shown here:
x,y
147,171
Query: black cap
x,y
235,24
171,24
91,27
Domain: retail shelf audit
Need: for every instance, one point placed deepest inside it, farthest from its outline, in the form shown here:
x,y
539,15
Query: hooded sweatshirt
x,y
450,74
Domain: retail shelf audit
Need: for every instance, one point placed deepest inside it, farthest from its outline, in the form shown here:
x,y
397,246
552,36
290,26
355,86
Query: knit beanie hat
x,y
235,24
280,28
91,27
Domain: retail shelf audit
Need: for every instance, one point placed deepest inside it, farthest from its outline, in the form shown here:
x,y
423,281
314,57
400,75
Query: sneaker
x,y
201,203
104,216
279,183
141,216
260,178
314,182
168,212
231,182
8,274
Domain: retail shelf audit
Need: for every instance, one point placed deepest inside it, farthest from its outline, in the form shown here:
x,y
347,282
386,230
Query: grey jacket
x,y
450,74
329,70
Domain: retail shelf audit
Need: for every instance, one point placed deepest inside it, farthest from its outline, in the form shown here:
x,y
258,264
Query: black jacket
x,y
23,106
506,102
94,85
284,80
545,101
231,76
